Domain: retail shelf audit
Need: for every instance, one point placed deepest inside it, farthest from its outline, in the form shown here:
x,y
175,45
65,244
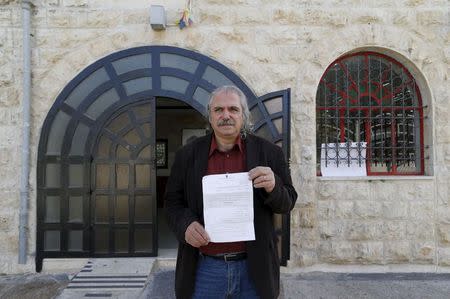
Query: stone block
x,y
39,15
402,17
10,177
443,231
368,252
392,191
341,190
421,210
397,251
103,18
5,223
5,17
414,3
6,75
309,16
326,210
238,35
444,256
446,51
60,38
101,47
424,191
336,252
443,190
344,209
6,39
75,3
305,258
295,217
306,193
367,209
423,252
395,210
49,56
326,190
355,190
443,133
63,18
394,230
364,230
6,157
7,259
136,16
281,74
431,17
305,238
276,35
250,16
331,230
10,199
10,241
10,136
10,117
234,2
259,54
9,97
308,217
212,16
368,16
420,230
52,2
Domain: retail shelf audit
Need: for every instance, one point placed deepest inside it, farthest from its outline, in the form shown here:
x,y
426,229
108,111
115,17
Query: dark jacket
x,y
184,204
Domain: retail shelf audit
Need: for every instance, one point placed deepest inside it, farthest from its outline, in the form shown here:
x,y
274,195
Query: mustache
x,y
225,122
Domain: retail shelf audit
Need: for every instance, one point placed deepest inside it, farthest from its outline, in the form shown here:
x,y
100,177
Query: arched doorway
x,y
88,163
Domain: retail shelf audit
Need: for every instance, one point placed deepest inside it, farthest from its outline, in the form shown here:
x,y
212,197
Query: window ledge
x,y
376,178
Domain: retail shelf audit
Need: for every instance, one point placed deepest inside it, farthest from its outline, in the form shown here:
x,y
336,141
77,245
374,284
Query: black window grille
x,y
370,114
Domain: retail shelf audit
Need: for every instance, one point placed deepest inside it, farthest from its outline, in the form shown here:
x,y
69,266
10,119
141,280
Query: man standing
x,y
235,269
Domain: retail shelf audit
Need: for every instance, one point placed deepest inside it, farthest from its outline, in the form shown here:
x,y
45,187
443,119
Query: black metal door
x,y
270,114
123,185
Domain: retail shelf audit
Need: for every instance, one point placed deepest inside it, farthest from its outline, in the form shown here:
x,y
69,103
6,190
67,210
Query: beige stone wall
x,y
272,45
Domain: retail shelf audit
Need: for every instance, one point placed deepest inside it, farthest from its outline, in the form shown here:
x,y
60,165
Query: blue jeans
x,y
221,279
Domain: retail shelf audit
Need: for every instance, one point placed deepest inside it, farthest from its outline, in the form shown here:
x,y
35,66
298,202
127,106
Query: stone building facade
x,y
381,222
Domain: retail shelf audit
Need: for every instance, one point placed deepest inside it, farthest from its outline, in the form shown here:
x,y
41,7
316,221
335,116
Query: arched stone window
x,y
369,115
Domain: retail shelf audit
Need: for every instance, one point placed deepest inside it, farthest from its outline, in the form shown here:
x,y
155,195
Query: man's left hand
x,y
262,177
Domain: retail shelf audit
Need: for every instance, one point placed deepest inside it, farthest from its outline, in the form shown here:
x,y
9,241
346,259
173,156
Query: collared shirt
x,y
225,162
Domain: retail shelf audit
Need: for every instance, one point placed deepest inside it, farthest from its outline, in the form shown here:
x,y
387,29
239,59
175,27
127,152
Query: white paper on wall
x,y
349,159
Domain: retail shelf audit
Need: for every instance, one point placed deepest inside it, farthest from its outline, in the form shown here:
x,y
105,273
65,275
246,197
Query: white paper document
x,y
346,160
228,207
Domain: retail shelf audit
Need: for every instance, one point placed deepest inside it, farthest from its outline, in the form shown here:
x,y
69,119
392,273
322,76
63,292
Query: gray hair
x,y
247,125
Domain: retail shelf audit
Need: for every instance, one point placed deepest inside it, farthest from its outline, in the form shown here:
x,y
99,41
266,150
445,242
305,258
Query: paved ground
x,y
335,285
363,285
294,286
32,286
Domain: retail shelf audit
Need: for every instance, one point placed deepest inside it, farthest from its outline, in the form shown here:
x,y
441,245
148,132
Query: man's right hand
x,y
196,235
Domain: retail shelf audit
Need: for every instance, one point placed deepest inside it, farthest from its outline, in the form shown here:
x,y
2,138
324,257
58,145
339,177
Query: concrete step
x,y
110,278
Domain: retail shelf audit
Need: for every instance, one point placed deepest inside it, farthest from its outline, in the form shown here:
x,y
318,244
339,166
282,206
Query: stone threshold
x,y
72,266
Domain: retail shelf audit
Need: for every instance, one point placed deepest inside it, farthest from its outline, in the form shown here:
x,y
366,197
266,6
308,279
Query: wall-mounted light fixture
x,y
157,17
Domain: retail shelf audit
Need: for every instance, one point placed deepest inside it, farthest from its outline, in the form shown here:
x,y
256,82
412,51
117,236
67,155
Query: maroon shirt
x,y
225,162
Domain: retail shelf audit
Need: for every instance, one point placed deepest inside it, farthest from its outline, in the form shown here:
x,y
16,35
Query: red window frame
x,y
343,92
